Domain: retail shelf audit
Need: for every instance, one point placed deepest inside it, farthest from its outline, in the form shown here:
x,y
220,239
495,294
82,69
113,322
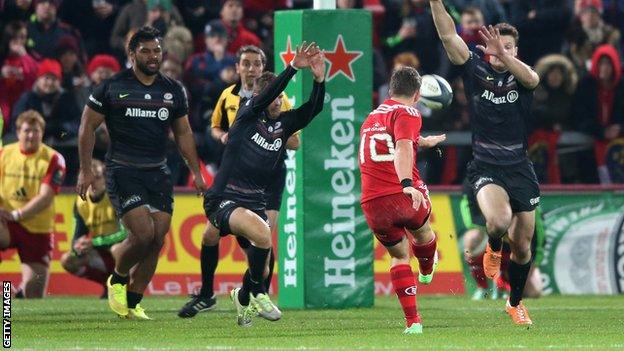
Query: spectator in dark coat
x,y
45,30
599,103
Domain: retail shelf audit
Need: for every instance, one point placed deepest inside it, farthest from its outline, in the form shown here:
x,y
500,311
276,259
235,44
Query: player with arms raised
x,y
500,91
394,199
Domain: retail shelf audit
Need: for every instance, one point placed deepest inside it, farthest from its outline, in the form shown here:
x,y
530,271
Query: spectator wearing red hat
x,y
19,69
238,36
102,67
45,30
57,107
48,98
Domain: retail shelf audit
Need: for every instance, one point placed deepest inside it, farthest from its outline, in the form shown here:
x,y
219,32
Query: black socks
x,y
117,279
209,262
518,274
133,299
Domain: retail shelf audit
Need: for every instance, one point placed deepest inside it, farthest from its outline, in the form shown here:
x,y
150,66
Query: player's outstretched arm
x,y
89,122
275,88
493,46
311,108
455,47
186,145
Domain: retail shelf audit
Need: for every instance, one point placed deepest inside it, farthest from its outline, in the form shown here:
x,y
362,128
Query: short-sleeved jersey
x,y
21,177
390,122
138,116
256,143
499,107
98,218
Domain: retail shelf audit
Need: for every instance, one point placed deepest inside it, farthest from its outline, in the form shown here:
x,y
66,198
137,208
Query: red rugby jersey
x,y
390,122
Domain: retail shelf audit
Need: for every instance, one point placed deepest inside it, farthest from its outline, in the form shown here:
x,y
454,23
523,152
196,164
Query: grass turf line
x,y
450,323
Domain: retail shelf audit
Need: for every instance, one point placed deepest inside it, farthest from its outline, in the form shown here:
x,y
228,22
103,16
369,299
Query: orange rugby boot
x,y
492,262
519,314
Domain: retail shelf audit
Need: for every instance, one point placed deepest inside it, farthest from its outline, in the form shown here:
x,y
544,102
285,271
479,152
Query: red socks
x,y
404,284
476,270
424,253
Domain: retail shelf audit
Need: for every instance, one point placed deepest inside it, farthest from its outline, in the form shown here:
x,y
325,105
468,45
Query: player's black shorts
x,y
470,211
219,210
519,181
275,190
130,188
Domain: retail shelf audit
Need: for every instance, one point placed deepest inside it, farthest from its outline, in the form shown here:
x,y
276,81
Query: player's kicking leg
x,y
520,235
494,204
423,247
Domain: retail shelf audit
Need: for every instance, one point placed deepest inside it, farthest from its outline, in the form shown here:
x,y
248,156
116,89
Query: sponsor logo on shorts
x,y
225,203
534,201
410,291
131,201
482,180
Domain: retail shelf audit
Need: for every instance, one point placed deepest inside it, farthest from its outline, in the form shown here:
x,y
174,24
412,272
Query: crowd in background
x,y
53,52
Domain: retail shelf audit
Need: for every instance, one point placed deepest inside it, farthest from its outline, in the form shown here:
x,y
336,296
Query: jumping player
x,y
500,91
235,204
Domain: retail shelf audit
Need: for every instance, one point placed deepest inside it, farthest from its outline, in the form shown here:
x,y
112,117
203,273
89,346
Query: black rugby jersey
x,y
499,108
138,116
256,143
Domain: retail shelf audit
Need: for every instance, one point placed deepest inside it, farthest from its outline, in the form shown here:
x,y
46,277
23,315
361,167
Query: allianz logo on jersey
x,y
511,97
259,139
162,113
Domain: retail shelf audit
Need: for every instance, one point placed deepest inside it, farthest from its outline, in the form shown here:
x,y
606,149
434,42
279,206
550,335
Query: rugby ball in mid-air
x,y
435,92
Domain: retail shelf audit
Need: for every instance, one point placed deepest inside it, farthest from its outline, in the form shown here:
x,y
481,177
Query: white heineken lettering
x,y
139,112
259,139
511,97
342,109
340,269
290,227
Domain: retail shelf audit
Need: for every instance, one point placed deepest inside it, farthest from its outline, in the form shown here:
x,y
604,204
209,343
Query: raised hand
x,y
303,55
318,66
493,44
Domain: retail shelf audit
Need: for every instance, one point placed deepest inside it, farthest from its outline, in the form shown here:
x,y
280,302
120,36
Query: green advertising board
x,y
584,243
324,247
